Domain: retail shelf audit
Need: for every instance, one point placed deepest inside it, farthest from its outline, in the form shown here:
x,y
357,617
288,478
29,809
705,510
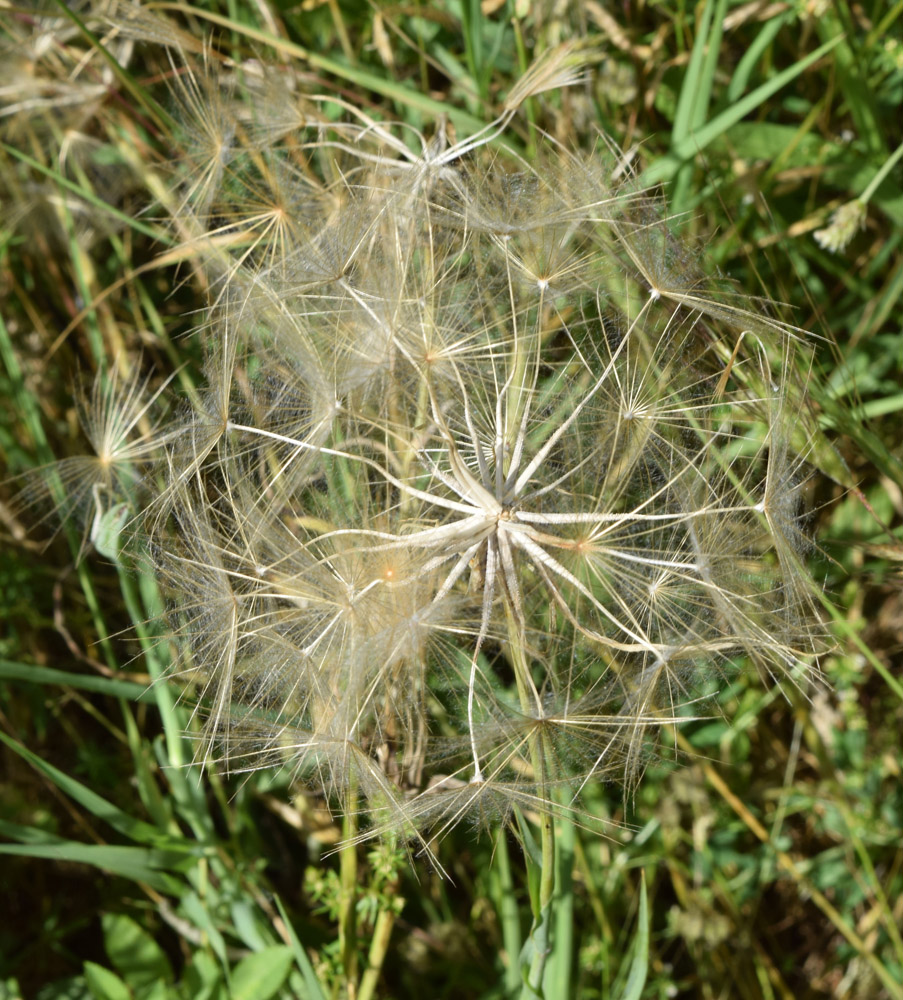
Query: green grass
x,y
764,859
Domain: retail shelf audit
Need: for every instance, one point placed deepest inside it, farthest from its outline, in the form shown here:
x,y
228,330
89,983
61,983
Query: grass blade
x,y
639,965
698,139
128,826
34,674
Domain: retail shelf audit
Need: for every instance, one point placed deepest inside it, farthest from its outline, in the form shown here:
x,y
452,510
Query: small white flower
x,y
845,222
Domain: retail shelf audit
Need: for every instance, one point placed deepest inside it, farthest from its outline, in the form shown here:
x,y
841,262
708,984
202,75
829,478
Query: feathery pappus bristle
x,y
489,480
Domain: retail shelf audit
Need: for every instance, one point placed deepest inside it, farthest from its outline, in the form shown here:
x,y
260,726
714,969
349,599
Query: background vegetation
x,y
771,855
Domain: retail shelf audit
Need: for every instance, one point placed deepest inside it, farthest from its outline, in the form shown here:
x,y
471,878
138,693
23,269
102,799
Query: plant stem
x,y
557,976
347,897
875,182
382,932
508,913
542,915
542,903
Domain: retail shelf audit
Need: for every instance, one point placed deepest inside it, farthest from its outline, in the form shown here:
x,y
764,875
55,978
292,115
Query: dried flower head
x,y
489,481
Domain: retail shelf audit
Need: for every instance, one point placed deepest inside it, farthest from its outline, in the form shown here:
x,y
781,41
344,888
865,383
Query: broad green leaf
x,y
768,140
203,977
135,954
104,984
197,913
156,991
259,976
247,923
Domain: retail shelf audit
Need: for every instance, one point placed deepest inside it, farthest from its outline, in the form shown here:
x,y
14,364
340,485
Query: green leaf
x,y
136,863
701,137
560,962
534,947
26,834
503,895
766,35
156,991
259,976
158,807
33,674
134,829
88,196
197,913
769,140
134,952
696,91
698,139
9,989
246,921
203,977
107,529
72,988
314,990
104,984
639,966
528,841
709,734
362,79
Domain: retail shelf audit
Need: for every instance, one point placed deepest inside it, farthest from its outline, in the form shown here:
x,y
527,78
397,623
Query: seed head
x,y
490,479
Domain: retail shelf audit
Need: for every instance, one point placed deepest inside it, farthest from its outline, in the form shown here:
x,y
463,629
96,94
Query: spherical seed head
x,y
500,481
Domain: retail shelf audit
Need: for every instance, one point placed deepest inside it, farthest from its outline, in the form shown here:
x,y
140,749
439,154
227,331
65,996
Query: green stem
x,y
557,978
508,914
889,165
348,897
382,932
540,937
140,595
542,902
